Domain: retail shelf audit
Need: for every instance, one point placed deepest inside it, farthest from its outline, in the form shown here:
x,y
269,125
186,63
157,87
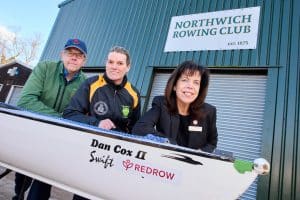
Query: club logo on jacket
x,y
100,108
125,111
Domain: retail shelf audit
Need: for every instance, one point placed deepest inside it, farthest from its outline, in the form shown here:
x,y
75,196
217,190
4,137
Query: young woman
x,y
181,114
108,101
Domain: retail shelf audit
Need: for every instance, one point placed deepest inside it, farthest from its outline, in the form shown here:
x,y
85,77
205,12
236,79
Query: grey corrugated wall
x,y
142,27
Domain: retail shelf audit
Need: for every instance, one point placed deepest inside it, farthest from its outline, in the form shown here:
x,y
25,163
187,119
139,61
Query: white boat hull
x,y
104,165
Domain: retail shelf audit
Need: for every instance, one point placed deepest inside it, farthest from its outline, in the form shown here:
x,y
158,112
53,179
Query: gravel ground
x,y
7,189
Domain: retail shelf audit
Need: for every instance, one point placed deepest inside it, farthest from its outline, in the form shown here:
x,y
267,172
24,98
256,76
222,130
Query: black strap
x,y
7,171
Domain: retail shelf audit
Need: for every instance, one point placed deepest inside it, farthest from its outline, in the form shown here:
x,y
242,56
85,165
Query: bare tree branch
x,y
14,47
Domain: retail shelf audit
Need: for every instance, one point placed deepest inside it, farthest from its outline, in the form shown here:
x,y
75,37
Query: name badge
x,y
195,128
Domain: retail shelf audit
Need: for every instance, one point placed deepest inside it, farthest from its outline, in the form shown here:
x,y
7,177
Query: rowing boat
x,y
101,164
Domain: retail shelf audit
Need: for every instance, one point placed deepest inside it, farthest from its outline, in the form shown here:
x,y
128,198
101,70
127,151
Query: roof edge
x,y
16,62
64,3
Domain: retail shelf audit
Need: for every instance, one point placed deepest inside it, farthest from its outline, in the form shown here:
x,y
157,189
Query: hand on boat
x,y
106,124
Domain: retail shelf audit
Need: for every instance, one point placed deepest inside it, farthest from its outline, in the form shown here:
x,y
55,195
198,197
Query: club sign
x,y
221,30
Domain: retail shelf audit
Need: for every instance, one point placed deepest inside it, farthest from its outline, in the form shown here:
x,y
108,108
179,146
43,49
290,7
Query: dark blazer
x,y
203,132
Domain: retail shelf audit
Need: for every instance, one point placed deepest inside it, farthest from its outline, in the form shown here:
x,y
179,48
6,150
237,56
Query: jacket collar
x,y
117,87
64,72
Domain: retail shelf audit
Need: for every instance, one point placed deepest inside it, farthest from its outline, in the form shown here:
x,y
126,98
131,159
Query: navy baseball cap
x,y
78,44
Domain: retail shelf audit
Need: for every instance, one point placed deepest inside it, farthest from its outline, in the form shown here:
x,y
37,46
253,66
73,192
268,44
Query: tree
x,y
13,46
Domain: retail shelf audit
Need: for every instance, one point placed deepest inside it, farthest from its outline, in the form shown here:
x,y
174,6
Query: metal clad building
x,y
256,91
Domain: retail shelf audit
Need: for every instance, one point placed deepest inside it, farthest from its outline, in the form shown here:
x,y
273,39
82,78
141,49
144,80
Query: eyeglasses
x,y
77,55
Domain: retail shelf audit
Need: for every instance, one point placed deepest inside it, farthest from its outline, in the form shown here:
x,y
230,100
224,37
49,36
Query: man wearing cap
x,y
48,90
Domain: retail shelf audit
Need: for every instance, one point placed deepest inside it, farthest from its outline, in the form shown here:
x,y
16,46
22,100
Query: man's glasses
x,y
77,55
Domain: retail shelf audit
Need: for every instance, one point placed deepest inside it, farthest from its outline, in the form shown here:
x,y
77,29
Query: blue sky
x,y
29,17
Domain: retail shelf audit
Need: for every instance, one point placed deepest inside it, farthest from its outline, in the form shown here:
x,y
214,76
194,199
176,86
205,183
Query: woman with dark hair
x,y
182,115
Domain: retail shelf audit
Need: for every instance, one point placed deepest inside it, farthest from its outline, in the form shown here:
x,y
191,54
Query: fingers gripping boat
x,y
100,164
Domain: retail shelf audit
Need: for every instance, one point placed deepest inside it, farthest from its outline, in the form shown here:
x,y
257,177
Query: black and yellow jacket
x,y
99,98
